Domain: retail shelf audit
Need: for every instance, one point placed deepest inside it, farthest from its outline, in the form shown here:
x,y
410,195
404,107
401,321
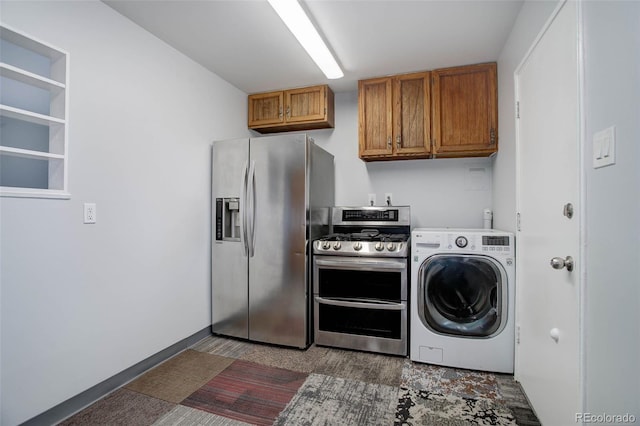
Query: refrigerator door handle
x,y
251,210
243,199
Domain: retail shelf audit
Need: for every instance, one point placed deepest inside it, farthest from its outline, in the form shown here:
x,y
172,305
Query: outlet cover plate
x,y
89,212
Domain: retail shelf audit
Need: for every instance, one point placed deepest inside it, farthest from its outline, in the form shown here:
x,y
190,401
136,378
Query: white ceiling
x,y
245,43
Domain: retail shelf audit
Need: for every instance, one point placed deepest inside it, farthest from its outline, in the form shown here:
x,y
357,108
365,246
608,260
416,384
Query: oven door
x,y
361,303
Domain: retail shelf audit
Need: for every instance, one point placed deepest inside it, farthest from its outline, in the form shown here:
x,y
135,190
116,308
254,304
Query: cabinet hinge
x,y
492,136
518,109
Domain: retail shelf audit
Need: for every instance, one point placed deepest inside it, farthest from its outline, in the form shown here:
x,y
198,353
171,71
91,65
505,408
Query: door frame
x,y
582,198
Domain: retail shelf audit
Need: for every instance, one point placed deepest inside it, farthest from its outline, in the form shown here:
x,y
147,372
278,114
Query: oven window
x,y
363,322
350,284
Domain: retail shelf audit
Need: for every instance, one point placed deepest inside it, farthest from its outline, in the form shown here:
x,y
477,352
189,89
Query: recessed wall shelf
x,y
33,117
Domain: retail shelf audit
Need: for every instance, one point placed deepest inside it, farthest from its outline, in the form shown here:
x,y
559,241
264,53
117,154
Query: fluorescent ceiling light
x,y
299,24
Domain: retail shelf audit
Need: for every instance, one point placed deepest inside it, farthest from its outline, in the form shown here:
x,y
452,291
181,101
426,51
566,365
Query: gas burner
x,y
369,231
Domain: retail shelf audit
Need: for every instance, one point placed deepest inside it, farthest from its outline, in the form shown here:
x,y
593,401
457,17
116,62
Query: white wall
x,y
81,303
531,18
441,192
611,90
612,313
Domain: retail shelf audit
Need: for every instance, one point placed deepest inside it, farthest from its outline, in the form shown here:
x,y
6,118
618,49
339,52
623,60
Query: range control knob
x,y
357,246
379,246
337,245
461,242
326,245
391,246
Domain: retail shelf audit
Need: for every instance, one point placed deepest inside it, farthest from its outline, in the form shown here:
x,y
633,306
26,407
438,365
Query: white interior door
x,y
548,299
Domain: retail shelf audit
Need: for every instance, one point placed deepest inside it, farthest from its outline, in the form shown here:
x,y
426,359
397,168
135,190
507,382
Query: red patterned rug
x,y
248,392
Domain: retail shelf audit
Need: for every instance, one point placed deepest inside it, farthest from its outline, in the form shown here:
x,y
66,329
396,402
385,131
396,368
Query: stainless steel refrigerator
x,y
271,197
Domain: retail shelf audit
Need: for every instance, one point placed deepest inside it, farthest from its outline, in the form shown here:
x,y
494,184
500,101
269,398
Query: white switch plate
x,y
388,199
89,212
604,147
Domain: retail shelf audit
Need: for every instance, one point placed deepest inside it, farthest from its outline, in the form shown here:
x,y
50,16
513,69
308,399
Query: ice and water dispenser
x,y
227,219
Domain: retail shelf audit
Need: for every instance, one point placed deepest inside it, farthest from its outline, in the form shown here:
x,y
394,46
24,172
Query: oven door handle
x,y
386,306
361,263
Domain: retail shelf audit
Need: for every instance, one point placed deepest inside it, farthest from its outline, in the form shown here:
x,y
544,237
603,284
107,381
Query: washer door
x,y
462,295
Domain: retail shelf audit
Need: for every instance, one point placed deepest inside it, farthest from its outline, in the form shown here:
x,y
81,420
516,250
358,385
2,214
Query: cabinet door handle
x,y
288,111
280,112
398,142
389,144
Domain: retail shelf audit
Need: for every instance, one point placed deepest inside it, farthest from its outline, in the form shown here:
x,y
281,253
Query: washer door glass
x,y
462,295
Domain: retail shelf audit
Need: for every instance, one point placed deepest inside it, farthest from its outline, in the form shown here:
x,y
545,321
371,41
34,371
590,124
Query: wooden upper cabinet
x,y
465,111
266,109
411,115
306,104
394,117
295,109
449,112
375,130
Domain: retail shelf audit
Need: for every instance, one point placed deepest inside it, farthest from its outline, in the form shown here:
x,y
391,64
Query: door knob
x,y
559,263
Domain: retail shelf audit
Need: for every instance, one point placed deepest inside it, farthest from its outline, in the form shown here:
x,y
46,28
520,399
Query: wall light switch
x,y
604,147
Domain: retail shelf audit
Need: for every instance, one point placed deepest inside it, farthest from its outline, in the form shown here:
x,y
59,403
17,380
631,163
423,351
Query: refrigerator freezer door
x,y
229,261
277,269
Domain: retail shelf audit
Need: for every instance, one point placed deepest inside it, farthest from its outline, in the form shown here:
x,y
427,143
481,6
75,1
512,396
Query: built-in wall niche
x,y
33,117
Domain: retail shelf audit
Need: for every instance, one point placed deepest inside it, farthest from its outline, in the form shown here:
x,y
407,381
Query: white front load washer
x,y
462,298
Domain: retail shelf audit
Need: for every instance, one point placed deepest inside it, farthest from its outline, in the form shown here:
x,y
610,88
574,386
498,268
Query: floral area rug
x,y
422,407
451,381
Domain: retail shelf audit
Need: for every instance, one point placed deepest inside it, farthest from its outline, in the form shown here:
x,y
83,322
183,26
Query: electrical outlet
x,y
388,198
89,212
372,199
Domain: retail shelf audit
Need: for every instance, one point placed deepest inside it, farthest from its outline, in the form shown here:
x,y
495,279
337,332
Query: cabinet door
x,y
411,115
265,109
374,117
305,104
465,110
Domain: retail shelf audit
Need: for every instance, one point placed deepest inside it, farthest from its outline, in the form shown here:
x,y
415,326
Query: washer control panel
x,y
462,240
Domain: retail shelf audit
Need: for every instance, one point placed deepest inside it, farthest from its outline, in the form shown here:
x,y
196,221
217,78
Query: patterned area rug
x,y
221,346
422,407
228,382
180,376
450,381
248,392
185,416
325,400
122,407
364,366
291,359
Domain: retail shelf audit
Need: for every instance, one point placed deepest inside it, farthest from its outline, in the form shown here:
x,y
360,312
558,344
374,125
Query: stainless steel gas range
x,y
360,280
